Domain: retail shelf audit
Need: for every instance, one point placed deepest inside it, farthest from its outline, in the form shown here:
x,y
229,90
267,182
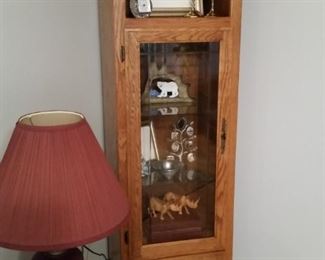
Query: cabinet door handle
x,y
223,135
122,53
126,237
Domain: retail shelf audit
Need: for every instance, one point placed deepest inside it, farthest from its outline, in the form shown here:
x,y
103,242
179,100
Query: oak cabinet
x,y
170,105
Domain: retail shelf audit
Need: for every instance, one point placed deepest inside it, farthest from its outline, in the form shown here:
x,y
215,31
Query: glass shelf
x,y
169,109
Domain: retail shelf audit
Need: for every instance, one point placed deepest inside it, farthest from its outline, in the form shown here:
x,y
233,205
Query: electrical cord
x,y
95,253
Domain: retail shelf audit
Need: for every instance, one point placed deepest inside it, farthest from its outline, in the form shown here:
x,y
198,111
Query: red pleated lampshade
x,y
57,190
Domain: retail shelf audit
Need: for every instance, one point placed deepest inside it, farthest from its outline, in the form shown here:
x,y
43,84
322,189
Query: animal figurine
x,y
166,87
168,111
182,201
158,205
192,204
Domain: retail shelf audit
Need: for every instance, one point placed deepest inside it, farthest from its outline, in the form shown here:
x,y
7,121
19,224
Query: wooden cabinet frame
x,y
120,42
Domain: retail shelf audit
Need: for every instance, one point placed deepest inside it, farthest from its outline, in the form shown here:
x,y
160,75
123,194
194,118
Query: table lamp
x,y
57,191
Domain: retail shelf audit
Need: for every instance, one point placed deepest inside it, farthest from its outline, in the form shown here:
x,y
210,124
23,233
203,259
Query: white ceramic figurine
x,y
166,87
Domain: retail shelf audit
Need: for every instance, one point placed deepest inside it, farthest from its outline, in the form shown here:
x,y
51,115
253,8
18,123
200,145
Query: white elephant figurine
x,y
166,87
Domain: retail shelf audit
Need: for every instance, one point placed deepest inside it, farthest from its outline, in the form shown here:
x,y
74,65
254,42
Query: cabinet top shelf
x,y
177,23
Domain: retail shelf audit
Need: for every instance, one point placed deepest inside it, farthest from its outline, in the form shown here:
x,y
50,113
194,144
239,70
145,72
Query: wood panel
x,y
179,248
111,25
220,23
181,35
221,165
133,135
208,256
236,6
220,255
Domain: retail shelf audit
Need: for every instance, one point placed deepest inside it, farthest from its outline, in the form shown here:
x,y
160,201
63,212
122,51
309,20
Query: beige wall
x,y
49,58
280,158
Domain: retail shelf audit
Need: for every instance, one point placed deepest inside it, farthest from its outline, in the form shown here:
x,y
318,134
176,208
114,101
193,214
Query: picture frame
x,y
149,150
175,7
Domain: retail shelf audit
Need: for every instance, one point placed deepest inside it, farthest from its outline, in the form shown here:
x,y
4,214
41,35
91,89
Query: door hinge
x,y
122,54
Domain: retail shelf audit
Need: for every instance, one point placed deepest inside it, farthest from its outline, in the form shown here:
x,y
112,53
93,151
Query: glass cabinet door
x,y
179,100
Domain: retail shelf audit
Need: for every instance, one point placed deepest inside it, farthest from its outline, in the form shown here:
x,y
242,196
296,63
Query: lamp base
x,y
69,254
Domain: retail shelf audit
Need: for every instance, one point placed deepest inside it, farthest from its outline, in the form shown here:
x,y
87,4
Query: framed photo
x,y
149,149
175,7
